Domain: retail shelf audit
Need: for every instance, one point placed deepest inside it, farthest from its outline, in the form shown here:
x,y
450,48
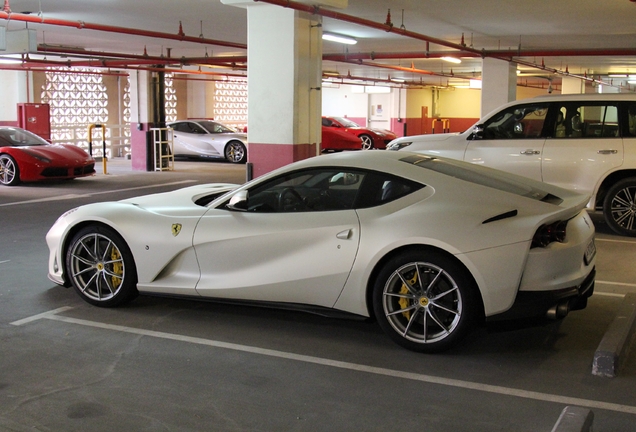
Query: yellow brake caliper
x,y
118,267
404,303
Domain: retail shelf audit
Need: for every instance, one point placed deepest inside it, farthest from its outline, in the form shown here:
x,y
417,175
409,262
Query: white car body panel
x,y
522,157
583,169
328,258
235,249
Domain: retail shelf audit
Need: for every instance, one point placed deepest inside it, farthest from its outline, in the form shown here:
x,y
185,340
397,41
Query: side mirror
x,y
238,202
478,132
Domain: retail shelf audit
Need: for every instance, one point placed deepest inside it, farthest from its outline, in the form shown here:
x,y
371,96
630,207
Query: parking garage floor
x,y
160,364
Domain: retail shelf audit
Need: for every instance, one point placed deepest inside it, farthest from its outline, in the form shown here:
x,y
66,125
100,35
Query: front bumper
x,y
532,304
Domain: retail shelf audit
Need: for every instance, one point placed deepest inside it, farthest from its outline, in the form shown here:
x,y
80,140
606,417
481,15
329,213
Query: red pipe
x,y
115,29
388,27
484,53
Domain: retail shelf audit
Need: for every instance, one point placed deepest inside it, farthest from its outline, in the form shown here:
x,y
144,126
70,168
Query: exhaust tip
x,y
559,310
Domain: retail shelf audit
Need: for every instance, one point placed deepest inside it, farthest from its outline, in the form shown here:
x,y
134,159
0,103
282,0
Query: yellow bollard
x,y
90,144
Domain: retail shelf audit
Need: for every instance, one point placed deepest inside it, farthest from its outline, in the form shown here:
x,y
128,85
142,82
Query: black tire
x,y
235,152
101,267
429,317
367,142
619,207
9,171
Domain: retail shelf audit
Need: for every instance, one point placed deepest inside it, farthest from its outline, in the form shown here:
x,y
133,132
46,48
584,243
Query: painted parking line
x,y
75,196
5,261
468,385
614,241
631,285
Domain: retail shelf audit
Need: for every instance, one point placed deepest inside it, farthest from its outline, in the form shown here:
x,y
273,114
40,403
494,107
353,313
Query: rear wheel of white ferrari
x,y
100,267
425,301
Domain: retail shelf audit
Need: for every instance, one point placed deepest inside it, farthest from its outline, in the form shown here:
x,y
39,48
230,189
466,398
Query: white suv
x,y
581,142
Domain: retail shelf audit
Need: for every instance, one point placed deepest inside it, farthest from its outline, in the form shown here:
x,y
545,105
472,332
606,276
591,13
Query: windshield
x,y
19,138
346,122
214,127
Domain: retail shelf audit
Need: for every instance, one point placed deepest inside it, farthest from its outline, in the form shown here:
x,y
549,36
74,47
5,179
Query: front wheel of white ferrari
x,y
425,301
100,267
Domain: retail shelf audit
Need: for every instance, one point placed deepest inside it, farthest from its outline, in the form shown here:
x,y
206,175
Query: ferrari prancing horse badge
x,y
176,229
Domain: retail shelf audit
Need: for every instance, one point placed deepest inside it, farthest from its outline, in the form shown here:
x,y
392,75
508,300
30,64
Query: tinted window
x,y
630,129
586,120
328,189
517,122
214,127
19,138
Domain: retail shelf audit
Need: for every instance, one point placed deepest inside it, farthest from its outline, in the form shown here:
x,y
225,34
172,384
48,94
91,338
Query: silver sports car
x,y
428,246
206,138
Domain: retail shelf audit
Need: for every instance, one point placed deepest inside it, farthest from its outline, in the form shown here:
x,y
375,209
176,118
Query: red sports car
x,y
336,139
371,138
26,157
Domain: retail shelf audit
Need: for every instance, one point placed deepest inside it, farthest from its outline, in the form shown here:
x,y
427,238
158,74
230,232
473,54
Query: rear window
x,y
491,179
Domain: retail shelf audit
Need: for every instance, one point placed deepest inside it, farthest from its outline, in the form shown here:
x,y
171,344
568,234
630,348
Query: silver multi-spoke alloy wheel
x,y
423,303
367,142
619,207
100,267
235,152
9,174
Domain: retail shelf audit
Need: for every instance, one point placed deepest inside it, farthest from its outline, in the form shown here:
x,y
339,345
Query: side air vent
x,y
506,215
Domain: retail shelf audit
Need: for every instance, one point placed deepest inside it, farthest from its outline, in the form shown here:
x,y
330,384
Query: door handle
x,y
606,152
530,152
345,235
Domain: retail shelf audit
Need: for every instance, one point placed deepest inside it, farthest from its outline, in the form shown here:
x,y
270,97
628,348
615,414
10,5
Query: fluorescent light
x,y
339,38
475,84
617,75
377,89
451,59
397,80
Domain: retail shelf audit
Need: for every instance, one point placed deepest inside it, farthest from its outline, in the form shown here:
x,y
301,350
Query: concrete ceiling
x,y
587,38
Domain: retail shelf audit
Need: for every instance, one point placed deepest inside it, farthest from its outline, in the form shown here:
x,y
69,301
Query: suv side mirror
x,y
238,202
478,132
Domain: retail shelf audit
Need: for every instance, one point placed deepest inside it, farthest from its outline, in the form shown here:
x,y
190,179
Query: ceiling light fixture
x,y
339,38
451,59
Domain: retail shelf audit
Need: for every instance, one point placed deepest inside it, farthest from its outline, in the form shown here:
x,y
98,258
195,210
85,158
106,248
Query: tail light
x,y
546,234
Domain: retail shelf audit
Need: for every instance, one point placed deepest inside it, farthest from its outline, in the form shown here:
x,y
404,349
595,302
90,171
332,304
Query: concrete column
x,y
17,87
200,94
498,84
571,85
284,79
140,117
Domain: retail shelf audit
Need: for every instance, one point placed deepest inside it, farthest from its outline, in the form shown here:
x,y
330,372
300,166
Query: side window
x,y
580,120
197,129
381,188
630,130
181,127
518,122
307,191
